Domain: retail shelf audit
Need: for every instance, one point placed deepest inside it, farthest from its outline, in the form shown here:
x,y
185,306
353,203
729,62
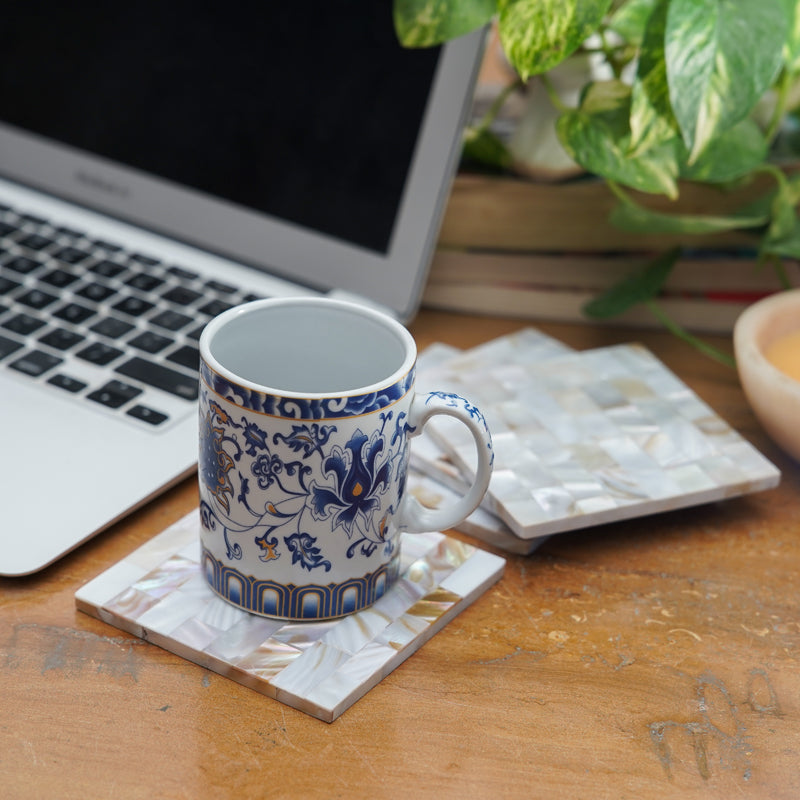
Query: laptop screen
x,y
308,112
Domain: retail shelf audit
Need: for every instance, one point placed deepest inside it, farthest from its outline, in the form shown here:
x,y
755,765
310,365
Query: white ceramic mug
x,y
306,409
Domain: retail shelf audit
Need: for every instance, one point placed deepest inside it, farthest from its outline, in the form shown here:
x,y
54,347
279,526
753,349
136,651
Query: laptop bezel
x,y
394,281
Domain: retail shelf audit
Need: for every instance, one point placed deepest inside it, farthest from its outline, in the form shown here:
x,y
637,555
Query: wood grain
x,y
651,658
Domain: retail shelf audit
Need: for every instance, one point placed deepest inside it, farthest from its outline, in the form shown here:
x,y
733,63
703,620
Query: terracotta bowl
x,y
773,395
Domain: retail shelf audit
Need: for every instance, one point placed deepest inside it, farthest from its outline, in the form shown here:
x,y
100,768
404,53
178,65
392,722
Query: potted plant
x,y
695,91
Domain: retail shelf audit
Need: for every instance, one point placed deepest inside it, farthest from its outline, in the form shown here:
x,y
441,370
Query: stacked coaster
x,y
580,439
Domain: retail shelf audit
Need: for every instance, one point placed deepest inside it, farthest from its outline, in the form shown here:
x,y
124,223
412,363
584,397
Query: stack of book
x,y
542,250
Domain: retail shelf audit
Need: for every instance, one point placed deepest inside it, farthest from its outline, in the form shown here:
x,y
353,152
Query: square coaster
x,y
159,594
433,477
585,438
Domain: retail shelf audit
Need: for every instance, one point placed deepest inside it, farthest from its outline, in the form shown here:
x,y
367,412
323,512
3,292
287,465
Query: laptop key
x,y
108,247
214,307
96,292
114,394
183,274
159,377
23,264
186,356
196,332
150,342
100,353
144,282
36,298
107,269
171,320
23,324
61,339
59,278
7,285
181,296
140,258
111,327
219,286
71,255
72,385
145,414
35,363
74,313
133,306
8,346
34,241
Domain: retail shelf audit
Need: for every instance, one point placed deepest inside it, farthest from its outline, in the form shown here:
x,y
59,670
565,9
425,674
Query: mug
x,y
307,406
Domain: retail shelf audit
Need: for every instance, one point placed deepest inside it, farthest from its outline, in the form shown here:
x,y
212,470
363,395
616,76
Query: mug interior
x,y
309,346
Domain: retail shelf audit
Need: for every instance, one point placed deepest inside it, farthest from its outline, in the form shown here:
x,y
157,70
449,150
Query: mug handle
x,y
413,516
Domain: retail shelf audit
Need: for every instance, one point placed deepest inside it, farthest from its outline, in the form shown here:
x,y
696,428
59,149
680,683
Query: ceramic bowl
x,y
773,395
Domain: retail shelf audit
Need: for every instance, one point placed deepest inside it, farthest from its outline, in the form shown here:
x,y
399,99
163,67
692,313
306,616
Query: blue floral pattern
x,y
276,500
305,408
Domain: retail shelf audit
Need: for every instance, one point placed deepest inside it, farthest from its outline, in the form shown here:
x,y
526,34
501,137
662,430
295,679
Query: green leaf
x,y
538,34
634,218
597,136
788,246
652,120
736,152
630,19
721,56
791,51
640,286
484,147
423,23
783,236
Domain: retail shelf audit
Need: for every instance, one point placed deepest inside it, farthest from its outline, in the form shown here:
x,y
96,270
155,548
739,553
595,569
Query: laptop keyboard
x,y
89,319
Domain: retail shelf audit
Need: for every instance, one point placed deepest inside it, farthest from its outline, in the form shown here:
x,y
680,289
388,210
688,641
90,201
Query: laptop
x,y
161,163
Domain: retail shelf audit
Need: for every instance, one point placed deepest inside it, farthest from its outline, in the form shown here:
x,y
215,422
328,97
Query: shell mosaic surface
x,y
582,438
159,594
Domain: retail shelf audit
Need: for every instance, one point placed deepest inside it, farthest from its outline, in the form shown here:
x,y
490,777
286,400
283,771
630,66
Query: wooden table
x,y
651,658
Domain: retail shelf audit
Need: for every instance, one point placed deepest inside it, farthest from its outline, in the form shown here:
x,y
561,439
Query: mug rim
x,y
218,322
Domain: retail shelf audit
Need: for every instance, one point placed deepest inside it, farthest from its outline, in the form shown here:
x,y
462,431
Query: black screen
x,y
307,111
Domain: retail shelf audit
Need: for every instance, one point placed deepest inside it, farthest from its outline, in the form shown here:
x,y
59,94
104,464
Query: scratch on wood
x,y
518,651
71,651
759,684
686,630
719,725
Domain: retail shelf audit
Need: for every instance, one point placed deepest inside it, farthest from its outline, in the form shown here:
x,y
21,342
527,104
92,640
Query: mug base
x,y
306,603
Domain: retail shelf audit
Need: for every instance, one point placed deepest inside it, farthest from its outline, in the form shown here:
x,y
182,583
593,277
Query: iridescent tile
x,y
691,478
303,635
309,669
221,614
600,503
131,603
417,545
157,550
403,632
605,395
194,633
342,687
720,469
167,577
556,502
243,637
474,576
352,634
433,605
268,660
168,613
